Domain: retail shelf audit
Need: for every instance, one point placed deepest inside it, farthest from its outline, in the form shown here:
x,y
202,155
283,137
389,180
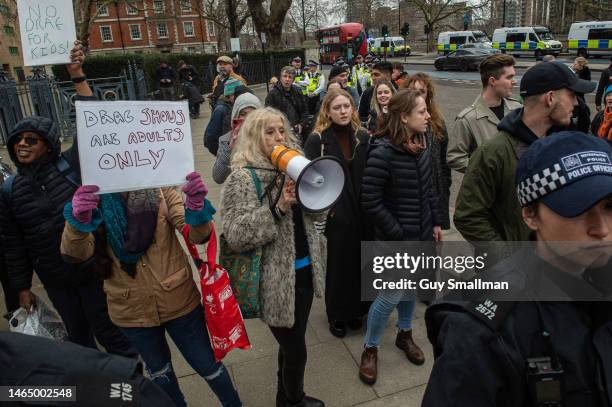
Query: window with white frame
x,y
106,33
131,10
158,6
135,32
162,30
188,29
211,28
102,9
186,6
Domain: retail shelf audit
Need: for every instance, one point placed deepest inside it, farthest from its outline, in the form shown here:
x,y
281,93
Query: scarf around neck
x,y
130,224
606,125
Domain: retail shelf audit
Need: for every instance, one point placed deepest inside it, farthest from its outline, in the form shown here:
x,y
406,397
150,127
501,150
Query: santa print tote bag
x,y
223,318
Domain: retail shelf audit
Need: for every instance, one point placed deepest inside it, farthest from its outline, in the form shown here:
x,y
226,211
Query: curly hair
x,y
437,121
249,145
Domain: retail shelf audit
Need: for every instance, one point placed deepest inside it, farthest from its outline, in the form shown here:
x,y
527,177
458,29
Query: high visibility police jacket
x,y
481,348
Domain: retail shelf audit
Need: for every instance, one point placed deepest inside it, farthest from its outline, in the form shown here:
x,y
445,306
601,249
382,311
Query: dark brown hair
x,y
404,101
437,121
493,66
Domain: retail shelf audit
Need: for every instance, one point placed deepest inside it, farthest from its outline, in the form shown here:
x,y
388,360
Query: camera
x,y
545,380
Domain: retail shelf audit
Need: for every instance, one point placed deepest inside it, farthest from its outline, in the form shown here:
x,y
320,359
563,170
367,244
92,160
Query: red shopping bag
x,y
223,318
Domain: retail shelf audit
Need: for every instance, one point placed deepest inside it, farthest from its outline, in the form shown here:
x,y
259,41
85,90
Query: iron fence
x,y
44,96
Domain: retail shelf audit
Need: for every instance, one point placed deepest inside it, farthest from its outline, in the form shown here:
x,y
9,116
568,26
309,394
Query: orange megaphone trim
x,y
281,156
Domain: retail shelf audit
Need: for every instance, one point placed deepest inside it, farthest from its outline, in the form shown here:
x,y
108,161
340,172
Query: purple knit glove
x,y
195,191
84,202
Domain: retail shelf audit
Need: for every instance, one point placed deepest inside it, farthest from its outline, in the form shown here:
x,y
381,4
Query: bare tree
x,y
270,22
435,11
306,16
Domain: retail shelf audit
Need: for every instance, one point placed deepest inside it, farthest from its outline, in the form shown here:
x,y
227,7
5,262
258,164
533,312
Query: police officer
x,y
360,72
537,353
301,78
316,85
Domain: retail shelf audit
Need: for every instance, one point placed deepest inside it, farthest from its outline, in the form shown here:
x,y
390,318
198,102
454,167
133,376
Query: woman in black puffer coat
x,y
397,194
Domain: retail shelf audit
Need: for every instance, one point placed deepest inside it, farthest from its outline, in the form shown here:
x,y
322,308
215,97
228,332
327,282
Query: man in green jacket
x,y
487,207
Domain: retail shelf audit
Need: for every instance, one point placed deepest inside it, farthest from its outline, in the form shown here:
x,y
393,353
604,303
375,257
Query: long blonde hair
x,y
323,120
374,104
249,145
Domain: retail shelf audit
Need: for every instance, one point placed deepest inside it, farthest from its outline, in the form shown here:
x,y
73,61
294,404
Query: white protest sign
x,y
235,44
47,31
127,145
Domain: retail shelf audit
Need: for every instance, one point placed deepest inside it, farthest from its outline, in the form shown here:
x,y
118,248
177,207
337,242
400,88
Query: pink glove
x,y
84,202
195,190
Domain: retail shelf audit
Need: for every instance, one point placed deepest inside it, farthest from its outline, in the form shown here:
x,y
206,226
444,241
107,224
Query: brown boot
x,y
405,342
368,369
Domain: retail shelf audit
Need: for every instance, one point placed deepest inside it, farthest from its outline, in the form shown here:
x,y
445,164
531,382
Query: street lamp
x,y
504,14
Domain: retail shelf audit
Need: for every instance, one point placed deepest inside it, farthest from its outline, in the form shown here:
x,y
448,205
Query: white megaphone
x,y
319,182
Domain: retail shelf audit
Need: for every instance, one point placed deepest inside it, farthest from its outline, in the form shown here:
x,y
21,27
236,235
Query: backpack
x,y
62,165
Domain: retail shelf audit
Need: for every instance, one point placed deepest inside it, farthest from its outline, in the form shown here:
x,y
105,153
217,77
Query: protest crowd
x,y
116,272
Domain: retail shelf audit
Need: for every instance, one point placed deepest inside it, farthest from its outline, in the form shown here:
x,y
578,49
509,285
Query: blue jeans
x,y
381,309
190,336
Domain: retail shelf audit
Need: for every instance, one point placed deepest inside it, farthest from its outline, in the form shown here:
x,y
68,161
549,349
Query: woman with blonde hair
x,y
581,67
398,196
383,90
338,133
293,259
437,142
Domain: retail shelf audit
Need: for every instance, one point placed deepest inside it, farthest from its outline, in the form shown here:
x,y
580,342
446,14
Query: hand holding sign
x,y
195,191
47,31
84,202
77,58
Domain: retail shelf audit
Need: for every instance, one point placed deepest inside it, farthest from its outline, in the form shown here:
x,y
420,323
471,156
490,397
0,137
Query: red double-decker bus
x,y
334,41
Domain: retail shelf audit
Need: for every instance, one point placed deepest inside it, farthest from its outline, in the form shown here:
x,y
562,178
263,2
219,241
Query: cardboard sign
x,y
127,145
47,31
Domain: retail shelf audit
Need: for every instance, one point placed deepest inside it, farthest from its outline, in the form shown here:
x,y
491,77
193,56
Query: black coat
x,y
346,227
397,193
442,178
32,221
292,103
604,81
481,348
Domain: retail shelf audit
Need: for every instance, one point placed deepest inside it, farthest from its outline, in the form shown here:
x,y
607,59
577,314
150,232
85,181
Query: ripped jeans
x,y
189,334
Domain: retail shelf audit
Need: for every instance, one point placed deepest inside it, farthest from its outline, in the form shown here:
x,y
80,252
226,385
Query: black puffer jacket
x,y
32,220
397,193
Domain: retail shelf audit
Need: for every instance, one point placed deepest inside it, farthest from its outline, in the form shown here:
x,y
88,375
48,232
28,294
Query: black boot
x,y
307,402
338,328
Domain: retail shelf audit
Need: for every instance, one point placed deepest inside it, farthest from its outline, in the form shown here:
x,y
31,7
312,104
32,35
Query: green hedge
x,y
110,65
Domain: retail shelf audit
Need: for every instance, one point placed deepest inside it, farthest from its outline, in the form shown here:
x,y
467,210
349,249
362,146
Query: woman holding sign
x,y
293,259
150,288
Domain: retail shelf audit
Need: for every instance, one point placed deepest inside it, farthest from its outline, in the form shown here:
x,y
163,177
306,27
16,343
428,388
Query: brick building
x,y
152,26
11,52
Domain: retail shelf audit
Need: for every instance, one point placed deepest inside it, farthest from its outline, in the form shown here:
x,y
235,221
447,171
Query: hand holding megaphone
x,y
318,183
288,197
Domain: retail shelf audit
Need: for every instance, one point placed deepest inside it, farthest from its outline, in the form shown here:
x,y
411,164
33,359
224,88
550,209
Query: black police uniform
x,y
483,348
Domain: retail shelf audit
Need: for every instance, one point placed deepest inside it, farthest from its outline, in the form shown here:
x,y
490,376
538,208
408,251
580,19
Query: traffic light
x,y
405,30
385,31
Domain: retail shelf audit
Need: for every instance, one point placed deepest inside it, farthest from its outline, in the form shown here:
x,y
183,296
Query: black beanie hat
x,y
335,71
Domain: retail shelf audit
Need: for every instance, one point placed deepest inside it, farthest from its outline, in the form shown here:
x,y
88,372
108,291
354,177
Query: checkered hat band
x,y
540,184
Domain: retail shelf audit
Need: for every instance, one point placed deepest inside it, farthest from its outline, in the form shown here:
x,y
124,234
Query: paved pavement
x,y
331,372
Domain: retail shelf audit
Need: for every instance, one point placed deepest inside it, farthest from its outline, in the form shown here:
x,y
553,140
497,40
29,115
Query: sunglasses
x,y
29,140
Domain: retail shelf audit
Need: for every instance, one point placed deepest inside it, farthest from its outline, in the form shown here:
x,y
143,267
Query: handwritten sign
x,y
127,145
47,31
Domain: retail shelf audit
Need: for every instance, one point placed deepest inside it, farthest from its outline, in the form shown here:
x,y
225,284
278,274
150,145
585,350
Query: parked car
x,y
482,47
464,59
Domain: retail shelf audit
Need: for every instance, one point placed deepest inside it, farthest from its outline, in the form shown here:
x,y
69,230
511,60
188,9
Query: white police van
x,y
397,46
527,41
449,41
590,38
